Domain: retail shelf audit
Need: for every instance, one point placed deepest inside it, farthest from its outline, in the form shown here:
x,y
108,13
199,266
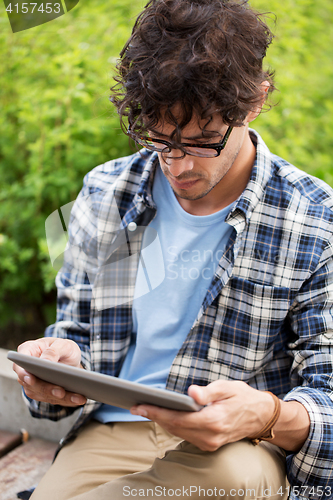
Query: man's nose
x,y
177,166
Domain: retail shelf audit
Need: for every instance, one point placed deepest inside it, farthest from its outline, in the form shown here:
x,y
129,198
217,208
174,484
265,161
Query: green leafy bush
x,y
56,123
300,128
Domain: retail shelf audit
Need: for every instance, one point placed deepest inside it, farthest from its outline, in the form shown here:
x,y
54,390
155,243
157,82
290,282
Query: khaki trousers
x,y
130,459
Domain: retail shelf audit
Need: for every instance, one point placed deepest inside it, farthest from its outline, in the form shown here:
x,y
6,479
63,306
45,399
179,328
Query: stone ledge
x,y
6,366
14,414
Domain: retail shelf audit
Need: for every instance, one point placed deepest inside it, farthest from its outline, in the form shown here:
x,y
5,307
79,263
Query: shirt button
x,y
98,336
132,226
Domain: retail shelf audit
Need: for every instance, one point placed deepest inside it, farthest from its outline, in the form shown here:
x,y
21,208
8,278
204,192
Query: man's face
x,y
192,177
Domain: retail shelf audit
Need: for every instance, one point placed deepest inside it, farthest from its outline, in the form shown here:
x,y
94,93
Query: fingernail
x,y
27,380
139,411
77,400
57,393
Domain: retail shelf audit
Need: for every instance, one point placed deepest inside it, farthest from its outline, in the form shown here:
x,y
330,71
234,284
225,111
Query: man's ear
x,y
264,87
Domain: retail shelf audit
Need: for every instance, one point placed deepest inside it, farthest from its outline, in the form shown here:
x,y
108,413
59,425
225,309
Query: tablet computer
x,y
100,387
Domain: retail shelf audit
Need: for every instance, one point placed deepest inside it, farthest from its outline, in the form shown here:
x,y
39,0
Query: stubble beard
x,y
188,176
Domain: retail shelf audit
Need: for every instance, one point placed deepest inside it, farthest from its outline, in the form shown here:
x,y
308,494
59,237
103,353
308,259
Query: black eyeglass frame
x,y
217,146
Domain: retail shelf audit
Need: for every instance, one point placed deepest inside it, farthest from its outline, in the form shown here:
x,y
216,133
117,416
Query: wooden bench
x,y
23,462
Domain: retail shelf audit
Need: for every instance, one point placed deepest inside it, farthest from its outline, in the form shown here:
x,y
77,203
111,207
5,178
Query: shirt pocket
x,y
250,327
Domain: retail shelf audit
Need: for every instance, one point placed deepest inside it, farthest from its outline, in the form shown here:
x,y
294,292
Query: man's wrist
x,y
267,433
293,426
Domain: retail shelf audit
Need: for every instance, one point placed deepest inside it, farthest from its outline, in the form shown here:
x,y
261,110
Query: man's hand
x,y
58,350
233,411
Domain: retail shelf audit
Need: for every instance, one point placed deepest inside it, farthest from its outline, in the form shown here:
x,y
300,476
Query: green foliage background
x,y
56,123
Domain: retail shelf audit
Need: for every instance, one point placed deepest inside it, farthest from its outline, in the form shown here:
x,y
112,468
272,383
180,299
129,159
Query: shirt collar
x,y
144,193
143,198
260,175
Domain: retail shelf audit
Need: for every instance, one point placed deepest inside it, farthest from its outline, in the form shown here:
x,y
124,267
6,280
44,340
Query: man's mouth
x,y
186,184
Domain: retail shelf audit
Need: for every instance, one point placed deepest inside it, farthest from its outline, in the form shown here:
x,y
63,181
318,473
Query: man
x,y
238,242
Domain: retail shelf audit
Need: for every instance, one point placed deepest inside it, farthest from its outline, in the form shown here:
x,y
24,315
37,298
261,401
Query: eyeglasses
x,y
201,150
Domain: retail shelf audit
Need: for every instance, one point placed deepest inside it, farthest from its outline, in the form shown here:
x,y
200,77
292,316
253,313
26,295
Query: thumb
x,y
215,391
199,394
50,354
60,350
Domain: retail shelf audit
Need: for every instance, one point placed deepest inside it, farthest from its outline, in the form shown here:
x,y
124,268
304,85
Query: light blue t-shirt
x,y
162,318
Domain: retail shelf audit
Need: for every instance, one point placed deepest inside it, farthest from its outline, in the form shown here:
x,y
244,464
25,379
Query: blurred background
x,y
56,124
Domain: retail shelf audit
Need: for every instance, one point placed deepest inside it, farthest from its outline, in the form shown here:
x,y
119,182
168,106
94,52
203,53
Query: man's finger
x,y
53,349
31,348
164,415
156,413
53,394
149,411
23,375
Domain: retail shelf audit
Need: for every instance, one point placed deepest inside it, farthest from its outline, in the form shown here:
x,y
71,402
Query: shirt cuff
x,y
312,464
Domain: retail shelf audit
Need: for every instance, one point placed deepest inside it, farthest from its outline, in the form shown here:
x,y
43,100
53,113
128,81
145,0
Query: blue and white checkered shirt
x,y
267,315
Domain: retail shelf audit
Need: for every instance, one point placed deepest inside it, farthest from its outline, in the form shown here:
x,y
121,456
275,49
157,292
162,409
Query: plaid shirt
x,y
267,315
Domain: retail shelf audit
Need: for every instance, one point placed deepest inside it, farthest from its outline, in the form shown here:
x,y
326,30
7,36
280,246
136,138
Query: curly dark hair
x,y
202,56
